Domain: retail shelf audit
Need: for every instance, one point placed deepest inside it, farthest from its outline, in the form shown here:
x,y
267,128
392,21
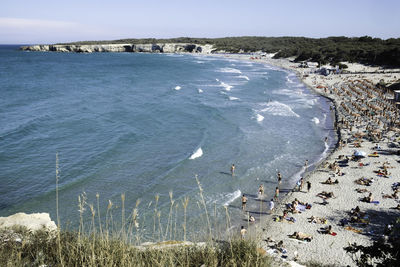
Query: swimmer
x,y
244,202
233,169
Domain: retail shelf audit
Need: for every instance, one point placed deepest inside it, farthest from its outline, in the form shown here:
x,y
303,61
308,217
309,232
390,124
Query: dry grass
x,y
78,249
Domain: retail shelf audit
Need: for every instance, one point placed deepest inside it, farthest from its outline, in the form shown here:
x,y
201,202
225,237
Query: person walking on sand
x,y
301,183
279,178
308,186
276,193
261,191
244,202
271,206
243,232
233,169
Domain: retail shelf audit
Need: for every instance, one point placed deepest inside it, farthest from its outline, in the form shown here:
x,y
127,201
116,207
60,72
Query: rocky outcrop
x,y
148,48
33,222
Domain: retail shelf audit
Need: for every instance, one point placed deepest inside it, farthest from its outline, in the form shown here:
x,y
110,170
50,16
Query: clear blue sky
x,y
49,21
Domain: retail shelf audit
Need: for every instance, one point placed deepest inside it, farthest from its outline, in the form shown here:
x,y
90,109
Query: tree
x,y
382,253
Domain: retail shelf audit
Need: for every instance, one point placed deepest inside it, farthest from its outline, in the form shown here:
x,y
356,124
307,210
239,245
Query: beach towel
x,y
375,202
291,219
349,228
300,207
333,234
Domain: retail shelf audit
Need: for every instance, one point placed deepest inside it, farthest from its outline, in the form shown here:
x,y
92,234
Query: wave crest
x,y
197,154
279,109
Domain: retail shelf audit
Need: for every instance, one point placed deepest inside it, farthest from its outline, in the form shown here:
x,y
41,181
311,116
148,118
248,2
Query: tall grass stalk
x,y
185,203
160,231
57,211
157,197
123,235
228,228
171,195
176,218
109,211
93,212
204,205
98,213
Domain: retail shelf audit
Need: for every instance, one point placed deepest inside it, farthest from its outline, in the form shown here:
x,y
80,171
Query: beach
x,y
363,120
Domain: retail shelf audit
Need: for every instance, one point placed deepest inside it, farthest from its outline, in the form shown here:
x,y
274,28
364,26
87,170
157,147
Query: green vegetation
x,y
74,249
332,50
103,243
384,252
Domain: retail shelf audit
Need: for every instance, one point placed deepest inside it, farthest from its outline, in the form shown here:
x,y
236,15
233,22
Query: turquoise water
x,y
146,124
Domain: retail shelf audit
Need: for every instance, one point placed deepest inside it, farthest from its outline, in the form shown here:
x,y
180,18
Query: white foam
x,y
200,91
244,77
232,98
260,118
288,92
226,86
199,62
279,109
217,80
315,120
197,154
177,88
229,70
232,196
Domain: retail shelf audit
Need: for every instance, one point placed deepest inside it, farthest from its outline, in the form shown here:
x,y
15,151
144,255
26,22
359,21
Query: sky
x,y
49,21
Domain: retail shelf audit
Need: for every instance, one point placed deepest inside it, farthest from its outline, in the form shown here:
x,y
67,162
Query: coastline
x,y
283,64
326,249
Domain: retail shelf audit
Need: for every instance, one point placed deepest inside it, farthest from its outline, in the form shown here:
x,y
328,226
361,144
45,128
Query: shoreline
x,y
327,249
255,227
356,130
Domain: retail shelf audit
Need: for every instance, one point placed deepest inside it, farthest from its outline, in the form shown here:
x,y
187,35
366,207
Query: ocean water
x,y
145,125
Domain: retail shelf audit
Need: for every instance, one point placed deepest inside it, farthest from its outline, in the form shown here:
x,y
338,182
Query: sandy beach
x,y
366,120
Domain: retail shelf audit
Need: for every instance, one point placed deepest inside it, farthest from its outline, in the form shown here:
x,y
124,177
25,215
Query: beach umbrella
x,y
359,153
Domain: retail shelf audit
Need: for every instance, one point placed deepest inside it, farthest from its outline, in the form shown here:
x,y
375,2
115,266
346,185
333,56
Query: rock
x,y
147,48
33,221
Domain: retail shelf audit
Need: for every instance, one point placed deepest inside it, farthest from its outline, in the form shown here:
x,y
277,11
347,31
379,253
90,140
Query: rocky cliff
x,y
149,48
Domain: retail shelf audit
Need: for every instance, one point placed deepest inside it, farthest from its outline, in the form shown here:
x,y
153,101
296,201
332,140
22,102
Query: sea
x,y
133,131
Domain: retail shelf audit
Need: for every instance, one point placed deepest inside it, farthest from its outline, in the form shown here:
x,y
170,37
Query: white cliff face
x,y
147,48
35,221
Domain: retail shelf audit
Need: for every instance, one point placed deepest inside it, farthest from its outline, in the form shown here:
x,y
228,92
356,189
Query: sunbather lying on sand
x,y
364,181
397,207
362,190
325,195
326,230
394,195
368,198
301,236
313,219
329,181
285,218
383,173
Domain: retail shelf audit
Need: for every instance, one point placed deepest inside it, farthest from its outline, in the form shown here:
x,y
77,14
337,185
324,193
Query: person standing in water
x,y
276,193
244,202
233,169
306,165
243,232
261,191
279,178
